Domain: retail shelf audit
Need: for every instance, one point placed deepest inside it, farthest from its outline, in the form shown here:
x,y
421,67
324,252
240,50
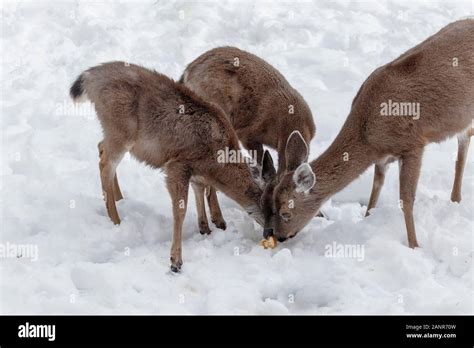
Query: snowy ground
x,y
50,190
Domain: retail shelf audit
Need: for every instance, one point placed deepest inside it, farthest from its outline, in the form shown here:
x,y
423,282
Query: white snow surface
x,y
50,188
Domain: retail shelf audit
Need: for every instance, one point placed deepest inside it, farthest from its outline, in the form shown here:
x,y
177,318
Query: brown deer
x,y
261,105
165,125
435,81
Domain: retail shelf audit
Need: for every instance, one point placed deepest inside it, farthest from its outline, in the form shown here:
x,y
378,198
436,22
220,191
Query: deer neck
x,y
346,158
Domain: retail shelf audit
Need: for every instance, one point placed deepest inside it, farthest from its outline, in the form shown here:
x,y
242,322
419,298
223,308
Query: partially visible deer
x,y
261,105
438,74
165,125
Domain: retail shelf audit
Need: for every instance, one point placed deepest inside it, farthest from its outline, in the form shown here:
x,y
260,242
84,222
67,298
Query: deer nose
x,y
281,239
267,232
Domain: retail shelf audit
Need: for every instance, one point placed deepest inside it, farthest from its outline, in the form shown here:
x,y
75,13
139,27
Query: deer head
x,y
286,203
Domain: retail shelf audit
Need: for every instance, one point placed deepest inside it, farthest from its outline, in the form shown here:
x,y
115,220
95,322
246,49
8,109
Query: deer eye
x,y
285,216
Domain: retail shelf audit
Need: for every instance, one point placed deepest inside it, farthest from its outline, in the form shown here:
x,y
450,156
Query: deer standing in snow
x,y
261,105
166,125
435,80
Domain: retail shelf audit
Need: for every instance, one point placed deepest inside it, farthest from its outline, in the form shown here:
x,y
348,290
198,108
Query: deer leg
x,y
201,208
379,178
216,213
117,193
409,173
177,182
110,156
463,146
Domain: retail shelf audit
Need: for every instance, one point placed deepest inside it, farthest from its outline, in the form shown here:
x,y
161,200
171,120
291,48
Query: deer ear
x,y
268,169
256,173
296,151
304,178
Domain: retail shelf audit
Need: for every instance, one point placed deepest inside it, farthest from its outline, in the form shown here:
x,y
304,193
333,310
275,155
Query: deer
x,y
438,76
262,106
167,126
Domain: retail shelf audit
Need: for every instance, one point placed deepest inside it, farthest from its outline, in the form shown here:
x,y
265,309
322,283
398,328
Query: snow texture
x,y
50,189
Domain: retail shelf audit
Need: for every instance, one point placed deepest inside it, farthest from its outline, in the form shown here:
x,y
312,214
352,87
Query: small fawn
x,y
261,105
166,125
435,81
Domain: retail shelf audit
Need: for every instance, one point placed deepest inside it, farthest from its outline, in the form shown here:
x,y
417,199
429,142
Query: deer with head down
x,y
261,105
165,125
436,80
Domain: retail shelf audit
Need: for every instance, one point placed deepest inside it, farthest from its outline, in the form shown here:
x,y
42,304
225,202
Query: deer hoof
x,y
176,265
221,224
456,198
175,269
204,229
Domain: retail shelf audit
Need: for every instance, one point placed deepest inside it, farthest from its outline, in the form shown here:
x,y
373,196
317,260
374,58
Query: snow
x,y
51,197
